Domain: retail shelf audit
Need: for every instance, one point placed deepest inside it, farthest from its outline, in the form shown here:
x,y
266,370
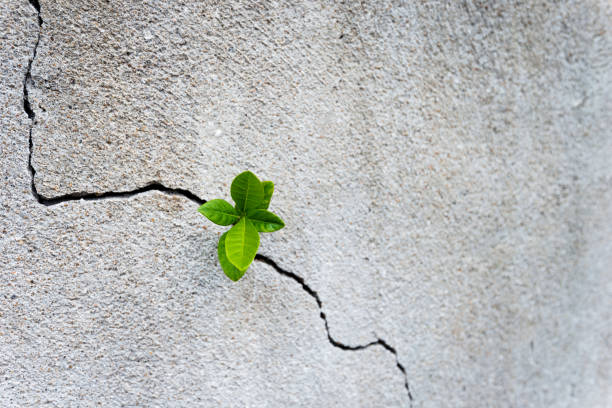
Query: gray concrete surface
x,y
444,170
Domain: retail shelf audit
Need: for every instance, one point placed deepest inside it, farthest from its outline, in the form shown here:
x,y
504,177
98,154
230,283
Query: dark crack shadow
x,y
156,186
27,80
76,196
153,186
379,342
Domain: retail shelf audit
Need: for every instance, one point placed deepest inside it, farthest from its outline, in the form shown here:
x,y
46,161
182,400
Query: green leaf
x,y
268,188
220,212
246,191
230,270
265,221
241,244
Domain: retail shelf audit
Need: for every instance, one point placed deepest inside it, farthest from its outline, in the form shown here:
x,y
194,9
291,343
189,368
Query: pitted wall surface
x,y
444,170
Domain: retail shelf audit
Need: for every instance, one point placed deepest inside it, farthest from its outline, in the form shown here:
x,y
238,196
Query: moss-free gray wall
x,y
444,170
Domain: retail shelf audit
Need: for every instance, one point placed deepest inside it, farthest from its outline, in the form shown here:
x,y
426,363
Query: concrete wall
x,y
444,170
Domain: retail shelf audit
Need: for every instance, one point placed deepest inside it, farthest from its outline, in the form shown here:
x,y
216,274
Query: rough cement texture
x,y
120,302
444,170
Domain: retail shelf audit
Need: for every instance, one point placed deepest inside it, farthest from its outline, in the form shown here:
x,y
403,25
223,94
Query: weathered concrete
x,y
444,170
120,302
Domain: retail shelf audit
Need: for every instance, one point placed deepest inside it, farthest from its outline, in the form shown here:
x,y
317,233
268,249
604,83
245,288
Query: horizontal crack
x,y
379,342
116,194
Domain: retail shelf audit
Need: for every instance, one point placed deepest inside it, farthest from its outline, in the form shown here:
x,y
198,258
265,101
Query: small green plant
x,y
250,216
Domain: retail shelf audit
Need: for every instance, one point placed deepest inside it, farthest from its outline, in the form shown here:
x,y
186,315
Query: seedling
x,y
250,216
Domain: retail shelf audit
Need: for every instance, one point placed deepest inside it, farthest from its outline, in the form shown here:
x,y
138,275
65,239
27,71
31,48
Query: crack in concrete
x,y
48,201
156,186
26,98
378,342
153,186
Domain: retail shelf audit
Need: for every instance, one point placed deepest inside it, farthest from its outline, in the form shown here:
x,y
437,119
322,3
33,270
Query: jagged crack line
x,y
119,194
26,99
48,201
155,186
379,342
